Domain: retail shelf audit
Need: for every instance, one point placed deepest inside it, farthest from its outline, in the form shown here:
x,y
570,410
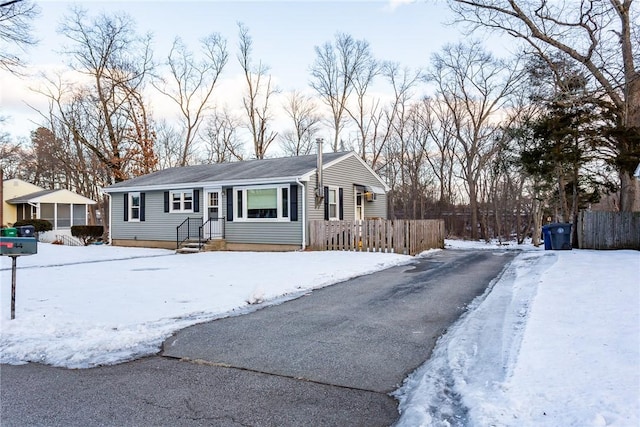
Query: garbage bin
x,y
546,237
559,236
9,232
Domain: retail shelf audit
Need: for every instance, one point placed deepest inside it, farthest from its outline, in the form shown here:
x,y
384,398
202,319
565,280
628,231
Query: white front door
x,y
212,218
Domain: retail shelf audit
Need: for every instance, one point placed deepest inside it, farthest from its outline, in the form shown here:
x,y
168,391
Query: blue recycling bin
x,y
546,237
557,236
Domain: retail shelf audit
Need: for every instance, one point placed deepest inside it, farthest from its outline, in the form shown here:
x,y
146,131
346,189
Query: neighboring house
x,y
63,208
253,205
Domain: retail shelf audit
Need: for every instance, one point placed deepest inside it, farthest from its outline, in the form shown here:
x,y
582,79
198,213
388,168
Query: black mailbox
x,y
26,231
15,246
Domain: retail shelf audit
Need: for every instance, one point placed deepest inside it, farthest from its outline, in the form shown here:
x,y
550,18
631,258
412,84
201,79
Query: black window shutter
x,y
340,204
196,200
141,206
326,203
126,207
229,204
293,201
166,201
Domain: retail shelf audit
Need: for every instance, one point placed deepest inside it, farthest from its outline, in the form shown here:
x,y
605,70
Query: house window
x,y
134,206
359,206
182,201
285,202
262,203
240,209
333,203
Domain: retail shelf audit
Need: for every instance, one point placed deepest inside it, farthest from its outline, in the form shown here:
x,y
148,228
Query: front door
x,y
212,219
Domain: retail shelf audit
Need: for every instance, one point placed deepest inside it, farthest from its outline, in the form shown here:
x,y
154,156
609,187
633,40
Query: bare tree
x,y
15,32
304,116
475,87
192,83
363,111
258,94
12,154
221,138
115,62
442,161
383,120
600,35
334,73
168,145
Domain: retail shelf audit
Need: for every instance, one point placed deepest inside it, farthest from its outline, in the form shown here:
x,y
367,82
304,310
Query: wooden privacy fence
x,y
376,235
608,230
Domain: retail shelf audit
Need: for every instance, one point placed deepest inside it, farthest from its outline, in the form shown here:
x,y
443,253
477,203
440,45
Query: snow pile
x,y
554,342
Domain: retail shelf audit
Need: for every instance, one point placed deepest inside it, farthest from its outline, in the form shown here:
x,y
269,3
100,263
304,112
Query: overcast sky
x,y
284,35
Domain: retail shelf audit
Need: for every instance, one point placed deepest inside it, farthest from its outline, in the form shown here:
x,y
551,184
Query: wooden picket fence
x,y
408,237
608,230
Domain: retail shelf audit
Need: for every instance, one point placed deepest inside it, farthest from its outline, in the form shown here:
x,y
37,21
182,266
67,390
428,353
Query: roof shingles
x,y
283,167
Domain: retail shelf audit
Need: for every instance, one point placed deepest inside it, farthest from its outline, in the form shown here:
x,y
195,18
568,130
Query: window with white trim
x,y
334,214
181,201
134,207
265,203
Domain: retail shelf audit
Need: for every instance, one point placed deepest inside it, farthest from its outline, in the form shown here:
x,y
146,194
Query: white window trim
x,y
243,217
130,203
337,190
182,209
355,204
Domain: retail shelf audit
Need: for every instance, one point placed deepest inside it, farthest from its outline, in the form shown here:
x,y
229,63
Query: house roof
x,y
51,196
283,168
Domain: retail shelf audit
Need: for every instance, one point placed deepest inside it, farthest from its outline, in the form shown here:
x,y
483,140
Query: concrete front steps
x,y
192,246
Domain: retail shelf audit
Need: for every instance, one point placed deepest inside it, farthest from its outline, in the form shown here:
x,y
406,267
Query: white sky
x,y
553,342
284,35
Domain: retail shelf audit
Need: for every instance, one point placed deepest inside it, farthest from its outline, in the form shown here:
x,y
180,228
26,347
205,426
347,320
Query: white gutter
x,y
203,184
304,214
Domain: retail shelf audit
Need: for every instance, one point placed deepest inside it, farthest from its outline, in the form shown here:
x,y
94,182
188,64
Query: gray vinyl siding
x,y
158,224
279,233
345,174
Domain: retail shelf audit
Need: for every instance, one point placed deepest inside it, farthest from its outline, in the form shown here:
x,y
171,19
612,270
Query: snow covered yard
x,y
80,307
555,341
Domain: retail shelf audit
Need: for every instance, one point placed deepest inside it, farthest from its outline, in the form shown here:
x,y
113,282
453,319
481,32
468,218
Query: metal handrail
x,y
184,230
68,240
208,224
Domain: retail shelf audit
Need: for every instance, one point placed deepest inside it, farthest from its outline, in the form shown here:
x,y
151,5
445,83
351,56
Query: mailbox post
x,y
13,247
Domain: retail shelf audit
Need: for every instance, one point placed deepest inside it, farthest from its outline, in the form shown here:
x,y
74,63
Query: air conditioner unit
x,y
369,196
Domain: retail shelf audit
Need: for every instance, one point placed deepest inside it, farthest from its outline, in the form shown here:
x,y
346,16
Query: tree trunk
x,y
629,192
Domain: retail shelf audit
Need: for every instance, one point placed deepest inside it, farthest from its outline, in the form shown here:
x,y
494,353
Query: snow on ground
x,y
555,341
76,313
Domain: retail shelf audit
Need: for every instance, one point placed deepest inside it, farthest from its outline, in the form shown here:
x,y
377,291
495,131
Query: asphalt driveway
x,y
328,358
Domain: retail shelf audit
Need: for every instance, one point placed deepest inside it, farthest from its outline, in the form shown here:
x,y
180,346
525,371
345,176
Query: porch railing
x,y
194,228
190,228
212,228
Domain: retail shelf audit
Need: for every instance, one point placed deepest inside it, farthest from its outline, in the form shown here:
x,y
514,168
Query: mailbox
x,y
15,246
26,231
